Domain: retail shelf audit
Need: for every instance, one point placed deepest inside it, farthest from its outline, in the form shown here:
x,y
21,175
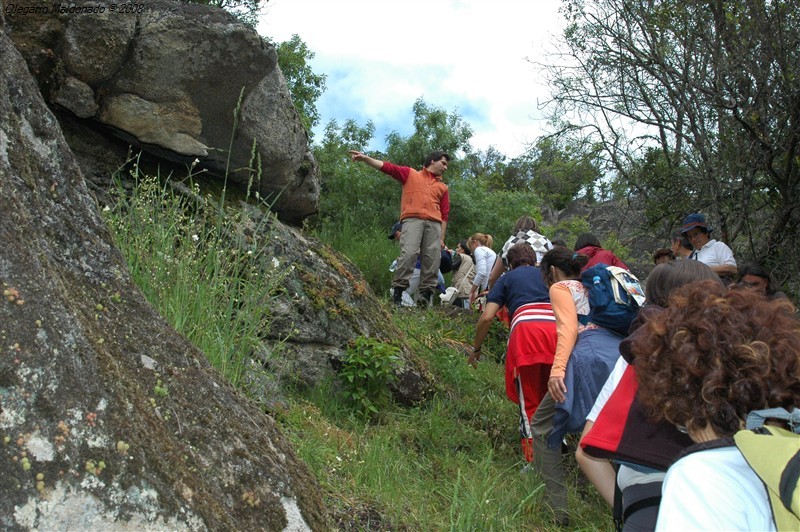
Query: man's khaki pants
x,y
423,238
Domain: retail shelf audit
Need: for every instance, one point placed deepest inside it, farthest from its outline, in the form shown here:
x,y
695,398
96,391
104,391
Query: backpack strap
x,y
790,480
726,441
619,518
640,505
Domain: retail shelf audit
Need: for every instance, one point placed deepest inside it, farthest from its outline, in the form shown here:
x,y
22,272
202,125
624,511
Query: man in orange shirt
x,y
424,210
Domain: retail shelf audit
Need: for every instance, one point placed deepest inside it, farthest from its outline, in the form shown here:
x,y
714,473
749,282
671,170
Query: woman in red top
x,y
587,244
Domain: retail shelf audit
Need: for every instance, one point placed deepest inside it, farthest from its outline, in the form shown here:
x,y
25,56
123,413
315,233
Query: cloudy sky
x,y
467,56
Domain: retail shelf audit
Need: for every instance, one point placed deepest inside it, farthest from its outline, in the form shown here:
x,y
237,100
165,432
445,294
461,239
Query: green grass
x,y
451,463
366,244
189,265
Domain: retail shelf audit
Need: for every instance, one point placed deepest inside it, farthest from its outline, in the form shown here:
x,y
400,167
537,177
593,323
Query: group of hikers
x,y
702,344
660,383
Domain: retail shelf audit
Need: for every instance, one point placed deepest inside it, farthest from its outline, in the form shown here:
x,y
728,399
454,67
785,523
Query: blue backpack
x,y
615,297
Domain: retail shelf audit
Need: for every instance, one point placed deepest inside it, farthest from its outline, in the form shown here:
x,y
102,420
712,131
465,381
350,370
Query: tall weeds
x,y
192,268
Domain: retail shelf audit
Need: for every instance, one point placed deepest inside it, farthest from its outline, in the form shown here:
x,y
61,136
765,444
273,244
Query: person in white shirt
x,y
715,254
481,246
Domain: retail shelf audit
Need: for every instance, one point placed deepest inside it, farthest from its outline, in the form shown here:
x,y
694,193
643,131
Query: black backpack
x,y
446,264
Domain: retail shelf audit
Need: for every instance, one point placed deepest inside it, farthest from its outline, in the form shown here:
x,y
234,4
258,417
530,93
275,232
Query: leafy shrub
x,y
611,242
367,370
476,209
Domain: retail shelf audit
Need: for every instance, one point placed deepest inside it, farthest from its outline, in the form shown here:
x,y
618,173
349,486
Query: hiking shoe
x,y
425,299
397,296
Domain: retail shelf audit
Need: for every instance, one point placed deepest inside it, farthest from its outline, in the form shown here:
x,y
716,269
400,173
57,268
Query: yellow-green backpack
x,y
774,455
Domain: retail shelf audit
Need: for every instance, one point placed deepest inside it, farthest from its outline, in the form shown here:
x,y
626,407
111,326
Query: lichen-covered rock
x,y
109,419
179,80
325,303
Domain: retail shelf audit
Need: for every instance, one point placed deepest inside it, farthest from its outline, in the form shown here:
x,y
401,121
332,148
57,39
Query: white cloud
x,y
469,56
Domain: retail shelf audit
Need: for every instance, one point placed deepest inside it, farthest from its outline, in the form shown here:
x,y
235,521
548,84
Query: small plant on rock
x,y
367,370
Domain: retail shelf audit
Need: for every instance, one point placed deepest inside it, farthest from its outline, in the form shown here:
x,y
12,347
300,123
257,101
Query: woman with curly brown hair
x,y
703,364
618,430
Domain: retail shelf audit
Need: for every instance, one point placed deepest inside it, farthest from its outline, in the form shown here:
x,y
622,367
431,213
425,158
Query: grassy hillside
x,y
451,463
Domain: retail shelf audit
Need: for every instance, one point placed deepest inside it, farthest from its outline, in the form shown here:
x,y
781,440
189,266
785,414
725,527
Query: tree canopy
x,y
696,106
434,129
305,86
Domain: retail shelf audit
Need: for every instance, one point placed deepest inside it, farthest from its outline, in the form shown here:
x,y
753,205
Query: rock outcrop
x,y
179,80
625,220
110,420
325,303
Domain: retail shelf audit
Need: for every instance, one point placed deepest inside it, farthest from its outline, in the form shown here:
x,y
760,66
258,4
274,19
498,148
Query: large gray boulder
x,y
110,420
179,80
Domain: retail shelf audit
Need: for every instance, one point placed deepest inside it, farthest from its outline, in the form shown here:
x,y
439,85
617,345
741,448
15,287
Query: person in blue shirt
x,y
532,338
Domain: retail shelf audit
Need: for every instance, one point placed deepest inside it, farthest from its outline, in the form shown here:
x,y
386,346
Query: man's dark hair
x,y
663,252
755,269
586,239
678,237
435,156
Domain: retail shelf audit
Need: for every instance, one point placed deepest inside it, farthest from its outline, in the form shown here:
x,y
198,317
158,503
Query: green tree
x,y
434,129
497,171
563,168
487,165
305,86
663,185
476,208
713,86
352,193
